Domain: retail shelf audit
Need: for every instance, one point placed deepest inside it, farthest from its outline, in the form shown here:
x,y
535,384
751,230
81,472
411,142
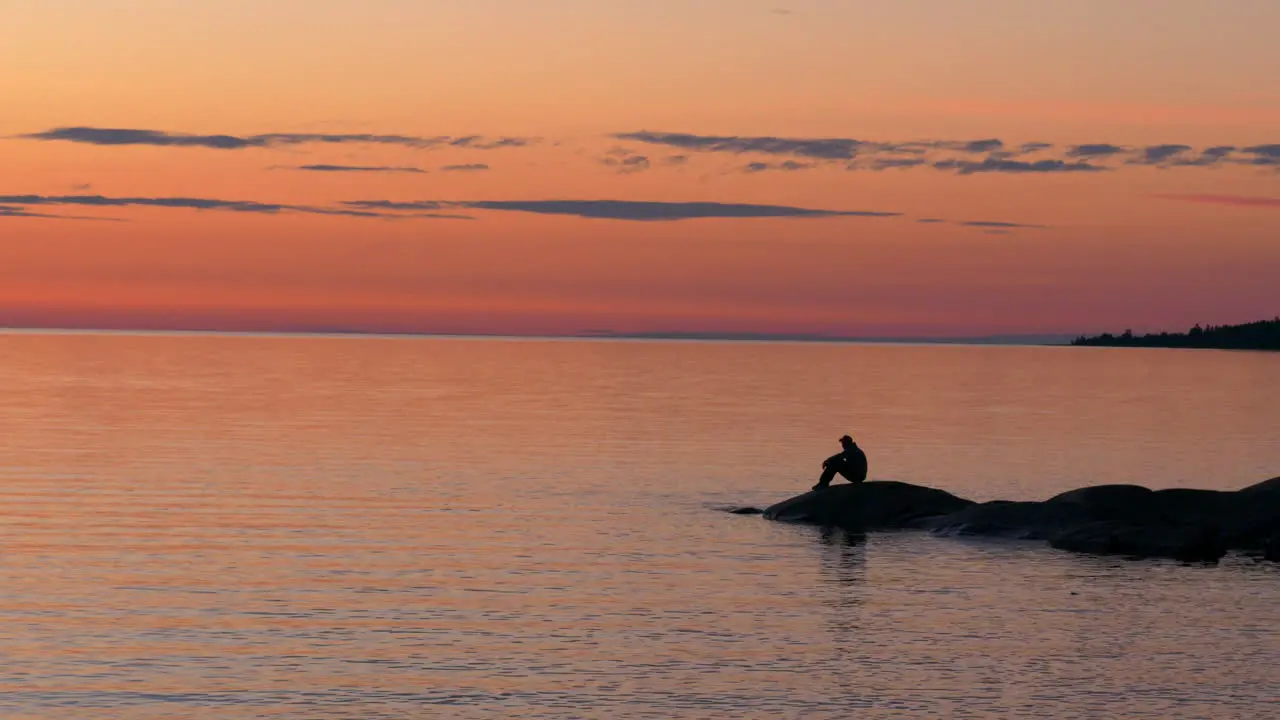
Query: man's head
x,y
846,442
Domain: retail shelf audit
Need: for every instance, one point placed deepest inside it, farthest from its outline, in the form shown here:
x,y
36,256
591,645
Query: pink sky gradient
x,y
1116,224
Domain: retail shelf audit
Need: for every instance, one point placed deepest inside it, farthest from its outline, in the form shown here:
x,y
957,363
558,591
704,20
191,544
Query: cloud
x,y
469,167
1208,157
625,162
818,148
358,169
172,202
1000,157
479,143
398,205
1168,155
1268,155
815,148
621,209
21,206
18,204
981,146
895,163
907,148
1095,150
1158,154
787,166
12,211
1272,151
161,138
973,146
1233,200
121,136
997,224
1001,165
991,226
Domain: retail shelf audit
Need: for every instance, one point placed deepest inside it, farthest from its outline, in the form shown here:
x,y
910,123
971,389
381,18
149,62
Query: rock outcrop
x,y
879,505
1192,543
1186,524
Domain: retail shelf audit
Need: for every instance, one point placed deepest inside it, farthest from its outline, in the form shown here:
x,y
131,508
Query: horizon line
x,y
1027,339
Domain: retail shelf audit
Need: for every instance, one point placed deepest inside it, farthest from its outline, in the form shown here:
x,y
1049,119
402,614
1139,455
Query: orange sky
x,y
1150,239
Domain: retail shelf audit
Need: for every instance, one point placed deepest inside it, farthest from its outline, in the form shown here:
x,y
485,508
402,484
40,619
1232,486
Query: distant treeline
x,y
1261,335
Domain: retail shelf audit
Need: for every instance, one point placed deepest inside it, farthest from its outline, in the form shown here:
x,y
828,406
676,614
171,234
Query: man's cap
x,y
845,438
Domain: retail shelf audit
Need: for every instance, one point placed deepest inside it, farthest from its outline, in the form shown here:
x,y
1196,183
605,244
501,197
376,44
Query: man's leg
x,y
828,474
851,475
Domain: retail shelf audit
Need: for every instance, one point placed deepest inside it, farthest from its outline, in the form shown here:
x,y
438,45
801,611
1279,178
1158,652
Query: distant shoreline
x,y
1029,340
1206,339
1261,335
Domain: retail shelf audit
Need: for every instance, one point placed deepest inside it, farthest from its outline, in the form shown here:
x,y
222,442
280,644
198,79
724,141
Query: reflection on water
x,y
240,527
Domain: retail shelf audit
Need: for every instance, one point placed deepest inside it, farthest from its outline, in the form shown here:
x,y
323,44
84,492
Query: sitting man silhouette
x,y
850,462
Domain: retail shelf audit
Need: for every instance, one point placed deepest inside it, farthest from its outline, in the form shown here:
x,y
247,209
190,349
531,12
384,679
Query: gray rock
x,y
1104,499
1265,489
1187,524
1017,520
1192,543
880,505
1271,549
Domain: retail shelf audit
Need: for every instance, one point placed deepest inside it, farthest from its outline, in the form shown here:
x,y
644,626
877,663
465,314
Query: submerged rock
x,y
1271,549
1192,543
1186,524
1016,520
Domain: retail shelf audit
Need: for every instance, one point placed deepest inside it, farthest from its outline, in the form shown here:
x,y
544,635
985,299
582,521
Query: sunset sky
x,y
844,167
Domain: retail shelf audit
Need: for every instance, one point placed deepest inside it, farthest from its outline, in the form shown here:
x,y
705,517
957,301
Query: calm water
x,y
266,527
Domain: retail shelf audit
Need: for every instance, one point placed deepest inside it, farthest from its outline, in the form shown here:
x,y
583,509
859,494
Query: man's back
x,y
855,463
850,462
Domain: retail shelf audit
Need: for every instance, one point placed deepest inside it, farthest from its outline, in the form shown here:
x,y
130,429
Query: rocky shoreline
x,y
1128,520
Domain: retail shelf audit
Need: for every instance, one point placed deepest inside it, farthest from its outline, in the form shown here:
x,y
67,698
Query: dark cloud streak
x,y
1159,155
621,209
161,138
818,148
998,224
627,210
626,163
11,211
955,155
1265,155
1001,165
786,166
892,163
1095,150
360,169
20,203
